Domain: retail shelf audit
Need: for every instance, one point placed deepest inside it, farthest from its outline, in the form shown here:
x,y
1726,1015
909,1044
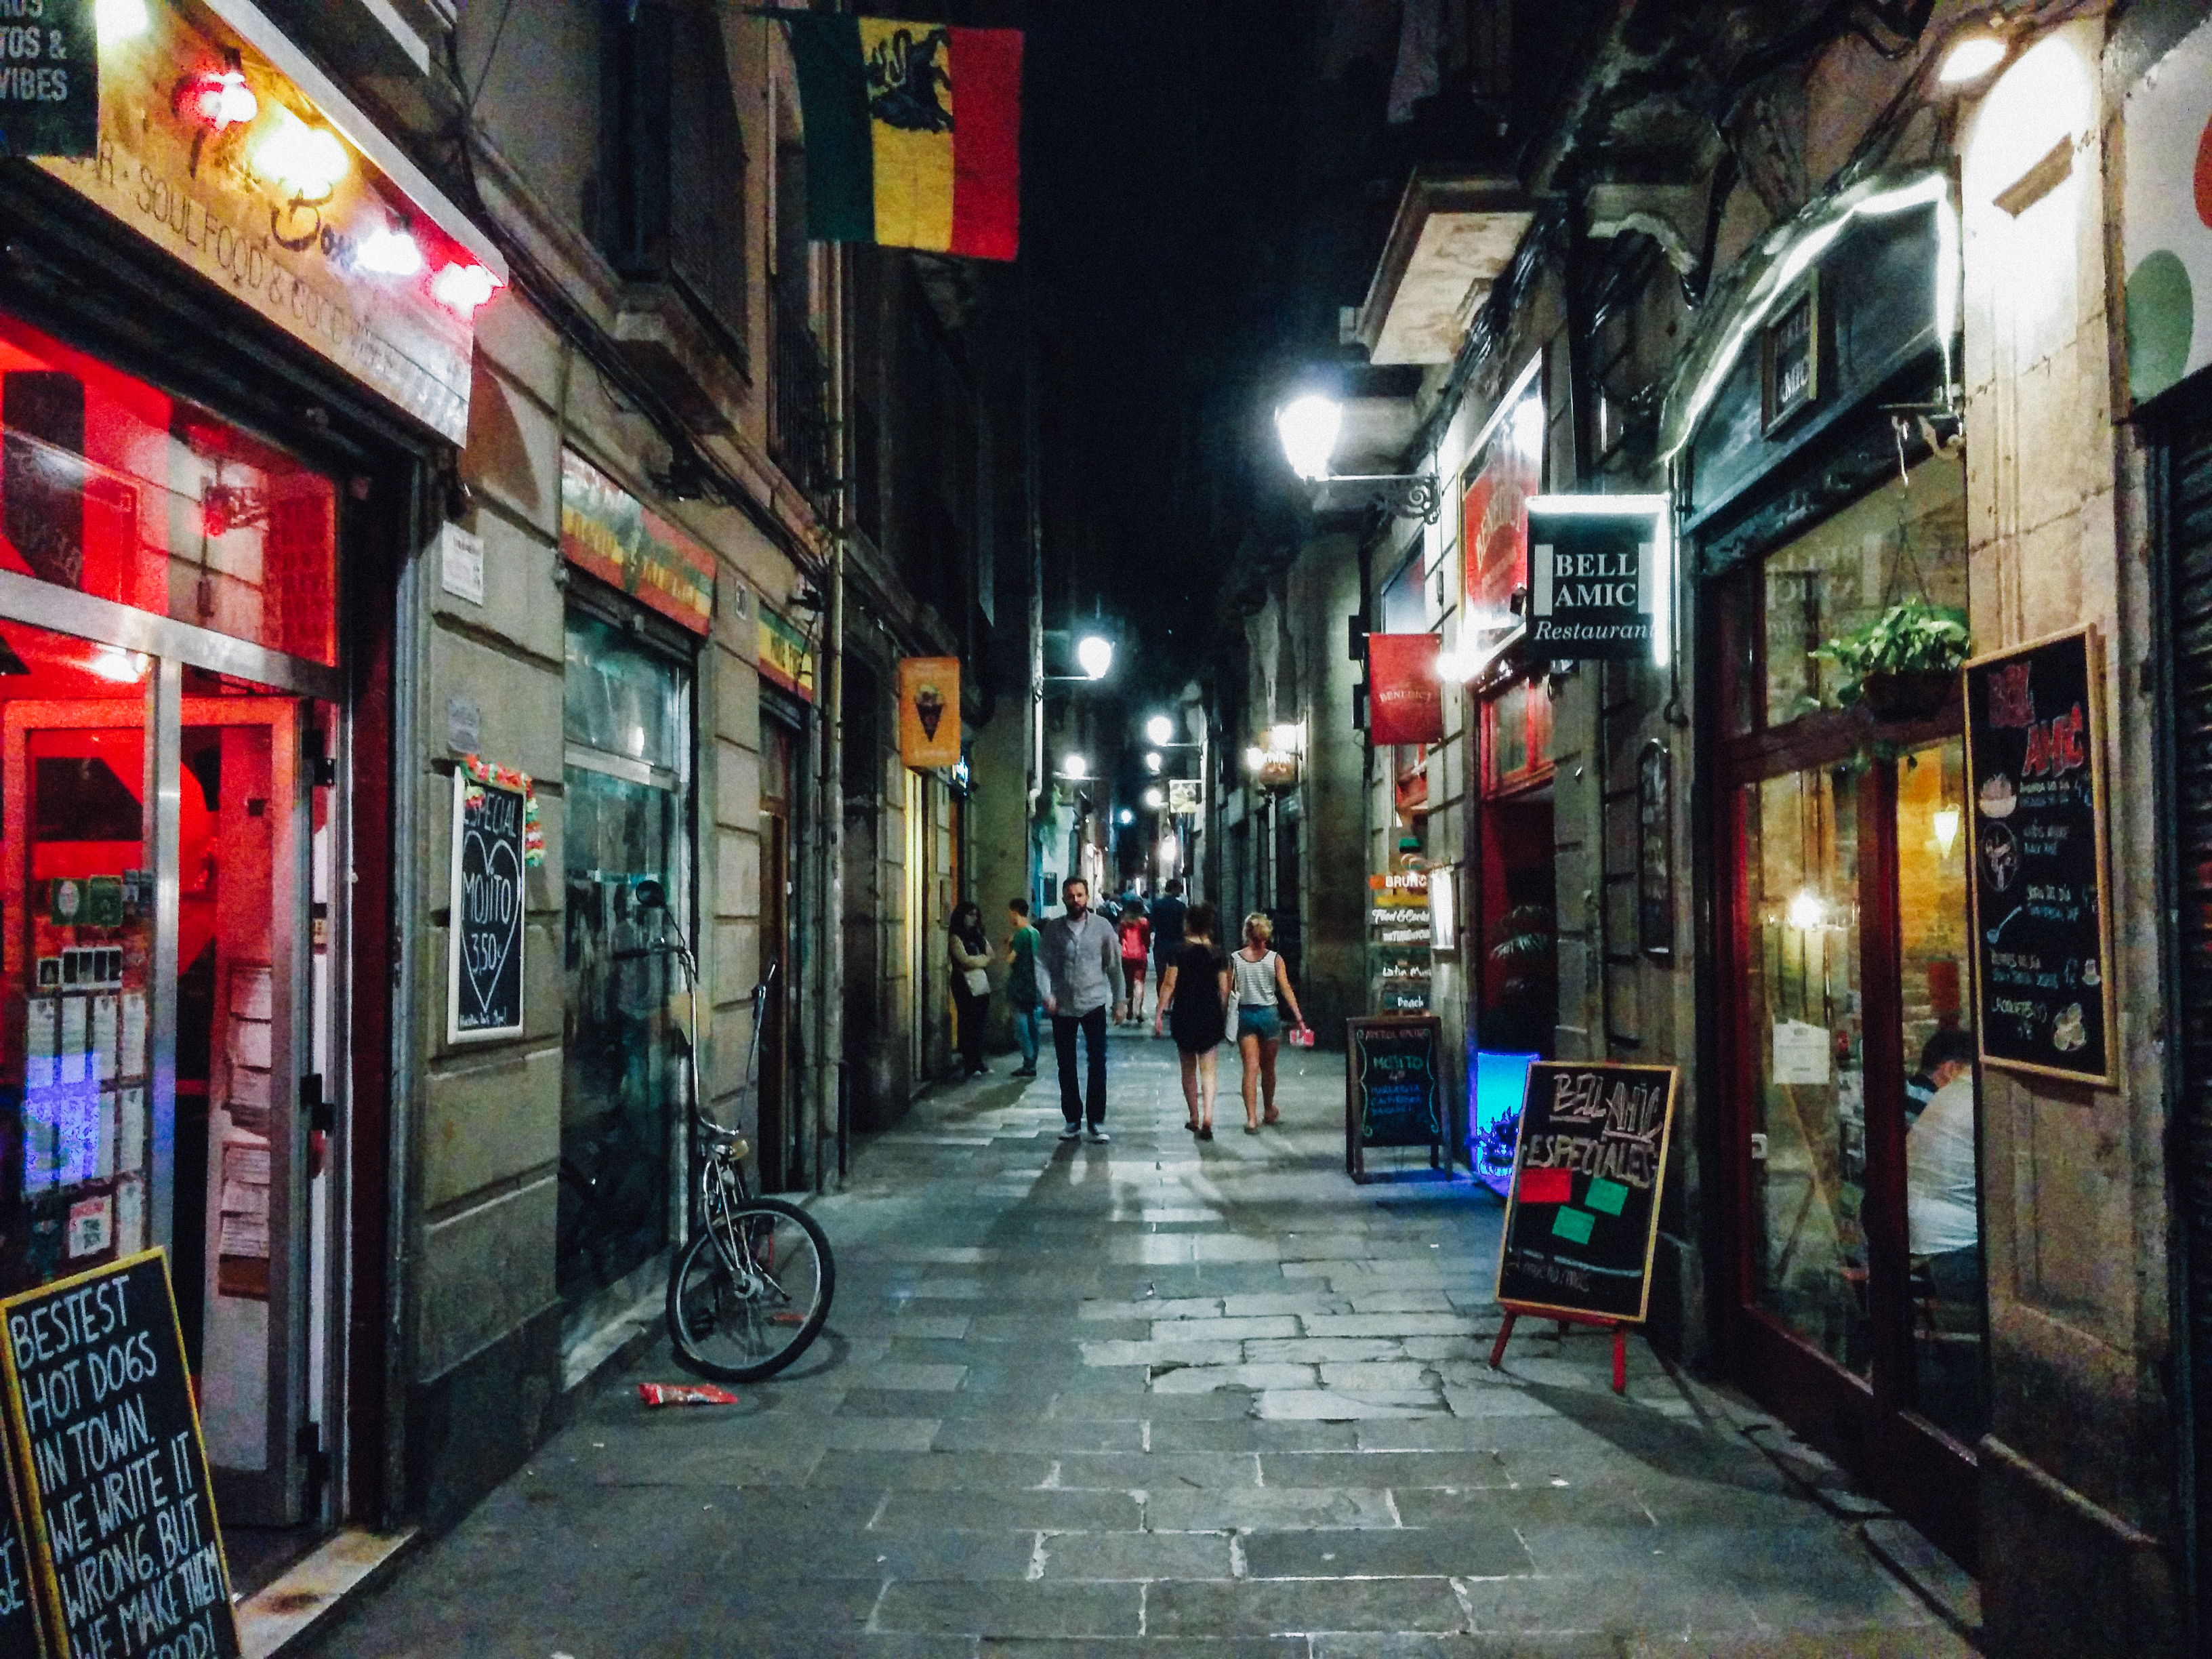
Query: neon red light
x,y
217,99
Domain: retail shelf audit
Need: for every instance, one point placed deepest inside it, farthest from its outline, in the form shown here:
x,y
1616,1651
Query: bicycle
x,y
751,1288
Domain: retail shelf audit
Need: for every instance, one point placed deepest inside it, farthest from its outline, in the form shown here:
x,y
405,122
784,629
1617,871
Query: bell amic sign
x,y
1600,573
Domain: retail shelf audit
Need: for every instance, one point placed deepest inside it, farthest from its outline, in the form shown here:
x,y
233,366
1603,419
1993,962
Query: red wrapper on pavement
x,y
684,1394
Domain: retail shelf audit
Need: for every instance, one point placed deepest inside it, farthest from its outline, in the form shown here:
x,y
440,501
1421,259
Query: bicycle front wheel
x,y
750,1290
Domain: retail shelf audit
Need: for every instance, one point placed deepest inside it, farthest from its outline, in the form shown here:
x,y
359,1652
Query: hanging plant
x,y
1903,663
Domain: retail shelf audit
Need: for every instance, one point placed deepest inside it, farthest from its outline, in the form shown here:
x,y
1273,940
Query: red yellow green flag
x,y
913,133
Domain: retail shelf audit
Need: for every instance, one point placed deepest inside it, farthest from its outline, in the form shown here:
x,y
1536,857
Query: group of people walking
x,y
1080,968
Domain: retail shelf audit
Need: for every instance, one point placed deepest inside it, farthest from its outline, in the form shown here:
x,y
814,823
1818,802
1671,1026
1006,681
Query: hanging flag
x,y
913,133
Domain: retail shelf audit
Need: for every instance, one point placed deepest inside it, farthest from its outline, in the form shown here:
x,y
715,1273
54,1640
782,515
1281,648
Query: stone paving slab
x,y
1156,1398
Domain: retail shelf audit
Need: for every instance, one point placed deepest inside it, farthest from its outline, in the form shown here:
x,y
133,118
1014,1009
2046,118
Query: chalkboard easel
x,y
1581,1221
1394,1090
110,1470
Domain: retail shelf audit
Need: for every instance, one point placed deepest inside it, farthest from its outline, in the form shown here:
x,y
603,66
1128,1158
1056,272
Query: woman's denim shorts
x,y
1260,1021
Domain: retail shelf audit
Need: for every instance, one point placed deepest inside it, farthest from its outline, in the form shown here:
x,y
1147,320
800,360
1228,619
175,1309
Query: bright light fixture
x,y
1308,428
1946,821
1970,59
308,161
1287,739
120,20
389,252
1255,759
1160,729
1094,655
464,288
1153,762
1076,767
113,662
1170,852
1154,799
1128,816
1806,910
217,99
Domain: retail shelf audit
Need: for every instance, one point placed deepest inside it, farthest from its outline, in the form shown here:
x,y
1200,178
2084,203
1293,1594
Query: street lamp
x,y
1161,730
1074,767
1309,426
1154,799
1153,761
1128,816
1094,655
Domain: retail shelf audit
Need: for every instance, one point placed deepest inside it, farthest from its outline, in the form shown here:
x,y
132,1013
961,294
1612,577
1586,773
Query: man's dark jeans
x,y
1093,1025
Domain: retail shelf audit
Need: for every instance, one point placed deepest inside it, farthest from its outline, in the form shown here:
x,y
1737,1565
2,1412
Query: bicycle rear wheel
x,y
750,1291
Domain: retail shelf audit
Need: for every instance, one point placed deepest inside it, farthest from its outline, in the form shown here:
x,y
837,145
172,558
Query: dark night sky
x,y
1157,141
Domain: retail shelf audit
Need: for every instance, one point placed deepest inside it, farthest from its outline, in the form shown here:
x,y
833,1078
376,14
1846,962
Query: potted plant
x,y
1904,663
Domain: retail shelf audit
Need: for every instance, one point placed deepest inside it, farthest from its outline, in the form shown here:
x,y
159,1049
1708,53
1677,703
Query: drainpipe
x,y
830,910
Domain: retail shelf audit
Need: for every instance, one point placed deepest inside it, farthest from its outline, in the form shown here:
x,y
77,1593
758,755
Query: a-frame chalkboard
x,y
1582,1219
1393,1087
105,1439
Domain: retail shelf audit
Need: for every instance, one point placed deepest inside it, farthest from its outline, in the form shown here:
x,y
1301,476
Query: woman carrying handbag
x,y
969,950
1261,982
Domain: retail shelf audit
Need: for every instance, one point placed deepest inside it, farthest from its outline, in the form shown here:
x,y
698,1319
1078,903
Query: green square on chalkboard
x,y
1574,1224
1606,1196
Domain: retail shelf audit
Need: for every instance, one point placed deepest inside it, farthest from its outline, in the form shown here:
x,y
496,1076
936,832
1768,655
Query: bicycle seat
x,y
724,1140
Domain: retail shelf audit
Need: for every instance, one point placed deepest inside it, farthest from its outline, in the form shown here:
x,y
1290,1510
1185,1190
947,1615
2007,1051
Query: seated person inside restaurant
x,y
1943,1213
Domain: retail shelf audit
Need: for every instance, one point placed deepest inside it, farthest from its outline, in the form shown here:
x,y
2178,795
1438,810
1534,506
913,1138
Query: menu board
x,y
114,1475
1582,1216
1402,939
1393,1087
2041,922
484,968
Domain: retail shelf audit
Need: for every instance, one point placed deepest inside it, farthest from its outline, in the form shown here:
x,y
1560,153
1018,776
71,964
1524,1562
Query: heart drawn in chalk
x,y
492,902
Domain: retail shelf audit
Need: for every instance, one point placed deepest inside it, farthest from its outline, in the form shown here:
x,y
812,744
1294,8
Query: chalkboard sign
x,y
115,1487
19,1612
1582,1216
1393,1087
2043,936
484,968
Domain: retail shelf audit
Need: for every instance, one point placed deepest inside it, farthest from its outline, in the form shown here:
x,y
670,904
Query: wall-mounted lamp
x,y
1154,799
1806,910
1128,816
1255,757
1161,730
1153,762
1075,768
1973,57
1308,428
1945,820
1094,655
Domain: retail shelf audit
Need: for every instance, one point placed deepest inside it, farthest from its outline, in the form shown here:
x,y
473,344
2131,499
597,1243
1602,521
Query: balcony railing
x,y
798,405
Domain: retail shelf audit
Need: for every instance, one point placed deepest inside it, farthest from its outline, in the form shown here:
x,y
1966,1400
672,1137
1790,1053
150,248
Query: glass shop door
x,y
159,1054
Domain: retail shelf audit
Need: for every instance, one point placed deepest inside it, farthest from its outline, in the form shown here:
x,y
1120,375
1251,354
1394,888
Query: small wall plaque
x,y
1791,356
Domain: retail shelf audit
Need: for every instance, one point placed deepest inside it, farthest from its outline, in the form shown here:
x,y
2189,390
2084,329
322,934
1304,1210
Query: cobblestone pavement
x,y
1153,1397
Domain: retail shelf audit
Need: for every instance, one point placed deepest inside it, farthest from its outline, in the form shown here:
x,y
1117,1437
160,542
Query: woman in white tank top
x,y
1261,982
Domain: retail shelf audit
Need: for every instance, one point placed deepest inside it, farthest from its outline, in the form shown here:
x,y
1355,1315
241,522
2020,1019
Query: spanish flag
x,y
913,133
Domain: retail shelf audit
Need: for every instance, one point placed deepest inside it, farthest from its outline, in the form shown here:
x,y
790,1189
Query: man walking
x,y
1079,974
1168,913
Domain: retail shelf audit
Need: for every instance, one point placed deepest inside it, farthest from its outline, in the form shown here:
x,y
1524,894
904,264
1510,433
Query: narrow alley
x,y
1156,1397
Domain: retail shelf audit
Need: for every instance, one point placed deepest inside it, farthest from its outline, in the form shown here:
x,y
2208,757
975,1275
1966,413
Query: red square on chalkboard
x,y
1546,1187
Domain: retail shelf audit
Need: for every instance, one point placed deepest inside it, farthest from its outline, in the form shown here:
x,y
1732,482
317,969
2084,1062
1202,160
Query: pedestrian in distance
x,y
1136,930
969,950
1193,1000
1167,918
1022,994
1079,973
1262,983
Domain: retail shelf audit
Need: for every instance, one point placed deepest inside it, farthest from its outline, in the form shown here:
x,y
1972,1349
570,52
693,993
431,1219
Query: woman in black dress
x,y
1193,1001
